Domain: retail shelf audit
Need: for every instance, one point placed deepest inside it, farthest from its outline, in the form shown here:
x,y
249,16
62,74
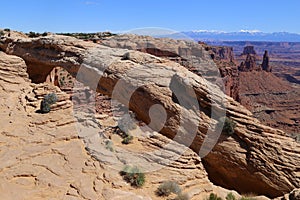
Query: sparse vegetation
x,y
128,139
62,81
1,33
182,196
246,198
134,176
228,127
125,124
7,29
230,196
109,145
88,36
34,34
213,196
46,103
168,187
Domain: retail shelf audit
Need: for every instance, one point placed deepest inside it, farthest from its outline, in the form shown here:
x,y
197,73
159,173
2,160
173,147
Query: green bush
x,y
183,196
134,176
127,140
213,196
109,145
46,103
168,187
230,196
33,34
1,33
45,34
228,127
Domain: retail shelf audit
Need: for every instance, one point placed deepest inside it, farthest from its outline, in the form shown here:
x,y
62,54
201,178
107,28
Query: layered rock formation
x,y
249,64
249,50
43,156
256,158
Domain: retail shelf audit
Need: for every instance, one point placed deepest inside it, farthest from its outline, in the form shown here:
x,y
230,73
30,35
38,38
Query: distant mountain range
x,y
242,35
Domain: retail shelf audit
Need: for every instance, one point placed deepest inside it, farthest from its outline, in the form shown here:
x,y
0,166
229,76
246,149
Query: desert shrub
x,y
33,34
1,33
127,140
228,127
44,34
62,81
7,29
230,196
213,196
134,176
168,187
183,196
125,124
109,145
46,103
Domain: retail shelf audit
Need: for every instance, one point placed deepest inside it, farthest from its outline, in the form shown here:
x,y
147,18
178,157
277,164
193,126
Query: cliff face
x,y
256,158
44,157
249,64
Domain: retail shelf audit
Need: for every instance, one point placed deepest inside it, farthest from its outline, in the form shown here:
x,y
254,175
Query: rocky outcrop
x,y
231,81
256,158
220,53
217,64
41,155
249,50
294,195
44,157
266,63
249,64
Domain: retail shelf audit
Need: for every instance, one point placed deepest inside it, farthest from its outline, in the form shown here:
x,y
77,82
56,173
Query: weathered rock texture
x,y
255,159
43,156
262,93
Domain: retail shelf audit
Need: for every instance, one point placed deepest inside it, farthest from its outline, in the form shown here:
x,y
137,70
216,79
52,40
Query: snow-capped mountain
x,y
243,35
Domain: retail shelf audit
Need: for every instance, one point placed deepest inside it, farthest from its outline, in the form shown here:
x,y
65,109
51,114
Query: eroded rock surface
x,y
44,157
256,158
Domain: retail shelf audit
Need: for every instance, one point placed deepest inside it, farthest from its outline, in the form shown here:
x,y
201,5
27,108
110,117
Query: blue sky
x,y
122,15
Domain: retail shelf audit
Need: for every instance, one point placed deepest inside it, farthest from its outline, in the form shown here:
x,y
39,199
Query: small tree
x,y
46,103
